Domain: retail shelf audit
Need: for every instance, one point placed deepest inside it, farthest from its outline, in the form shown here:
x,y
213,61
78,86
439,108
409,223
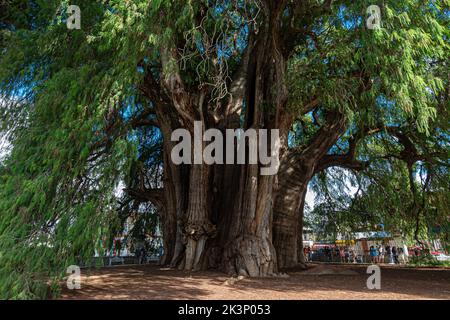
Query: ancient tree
x,y
90,114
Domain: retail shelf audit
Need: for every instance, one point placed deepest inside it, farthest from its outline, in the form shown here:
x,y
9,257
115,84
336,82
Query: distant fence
x,y
321,256
117,260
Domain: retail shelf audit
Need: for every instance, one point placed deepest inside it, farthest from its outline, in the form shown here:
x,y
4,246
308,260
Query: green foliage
x,y
69,96
427,260
405,62
348,67
57,202
382,193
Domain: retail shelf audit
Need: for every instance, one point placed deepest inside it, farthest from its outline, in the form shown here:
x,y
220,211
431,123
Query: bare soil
x,y
319,282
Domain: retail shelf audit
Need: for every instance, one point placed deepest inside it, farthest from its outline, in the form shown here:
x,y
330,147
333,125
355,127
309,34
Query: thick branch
x,y
174,85
155,196
229,114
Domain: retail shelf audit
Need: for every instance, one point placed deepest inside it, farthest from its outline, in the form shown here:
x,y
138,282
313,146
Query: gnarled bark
x,y
235,198
296,171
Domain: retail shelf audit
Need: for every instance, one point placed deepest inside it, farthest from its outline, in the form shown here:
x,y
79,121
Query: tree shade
x,y
91,109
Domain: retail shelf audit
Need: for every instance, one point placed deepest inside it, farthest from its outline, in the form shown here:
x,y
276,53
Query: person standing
x,y
327,254
137,253
309,254
140,252
380,254
372,254
353,256
406,252
346,255
401,256
143,255
395,255
389,254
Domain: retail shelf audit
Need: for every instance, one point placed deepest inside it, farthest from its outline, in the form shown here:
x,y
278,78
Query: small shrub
x,y
427,260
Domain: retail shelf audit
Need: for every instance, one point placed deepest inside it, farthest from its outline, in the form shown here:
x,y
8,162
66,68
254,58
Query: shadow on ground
x,y
318,282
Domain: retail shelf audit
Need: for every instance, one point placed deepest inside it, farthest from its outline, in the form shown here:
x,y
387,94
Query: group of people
x,y
344,255
347,255
394,255
377,253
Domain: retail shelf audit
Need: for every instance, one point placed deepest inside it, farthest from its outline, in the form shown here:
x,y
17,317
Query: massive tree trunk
x,y
235,199
229,216
198,227
296,172
248,249
242,196
288,211
175,181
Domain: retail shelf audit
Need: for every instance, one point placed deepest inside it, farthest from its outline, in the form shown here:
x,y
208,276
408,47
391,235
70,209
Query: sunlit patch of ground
x,y
318,282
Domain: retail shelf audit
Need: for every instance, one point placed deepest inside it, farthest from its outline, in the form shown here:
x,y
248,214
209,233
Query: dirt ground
x,y
318,282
